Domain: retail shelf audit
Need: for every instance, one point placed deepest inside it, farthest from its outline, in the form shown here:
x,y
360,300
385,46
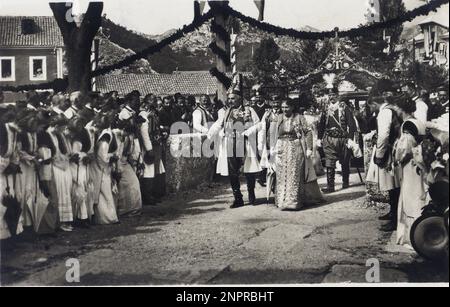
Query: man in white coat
x,y
382,170
240,149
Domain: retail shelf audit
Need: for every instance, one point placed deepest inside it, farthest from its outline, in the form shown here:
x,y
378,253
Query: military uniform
x,y
336,127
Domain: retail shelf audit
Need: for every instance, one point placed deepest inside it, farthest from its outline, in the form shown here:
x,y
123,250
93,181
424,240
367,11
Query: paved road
x,y
193,238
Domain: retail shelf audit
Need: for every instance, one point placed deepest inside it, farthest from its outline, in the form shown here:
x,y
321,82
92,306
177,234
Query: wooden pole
x,y
220,19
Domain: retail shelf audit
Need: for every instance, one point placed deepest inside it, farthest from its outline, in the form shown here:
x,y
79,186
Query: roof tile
x,y
47,35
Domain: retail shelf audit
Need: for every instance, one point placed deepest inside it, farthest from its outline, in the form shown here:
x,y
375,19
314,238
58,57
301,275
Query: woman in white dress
x,y
81,145
129,200
100,174
62,175
8,135
413,192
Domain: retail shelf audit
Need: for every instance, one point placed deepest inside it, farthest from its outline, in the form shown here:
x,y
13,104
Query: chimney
x,y
28,26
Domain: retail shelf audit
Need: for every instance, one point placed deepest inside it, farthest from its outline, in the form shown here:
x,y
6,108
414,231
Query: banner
x,y
260,5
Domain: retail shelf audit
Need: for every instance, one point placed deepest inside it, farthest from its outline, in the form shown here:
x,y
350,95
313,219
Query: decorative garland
x,y
222,54
220,31
226,10
356,32
221,77
197,23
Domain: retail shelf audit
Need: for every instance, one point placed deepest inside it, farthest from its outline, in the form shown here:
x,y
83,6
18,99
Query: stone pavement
x,y
193,238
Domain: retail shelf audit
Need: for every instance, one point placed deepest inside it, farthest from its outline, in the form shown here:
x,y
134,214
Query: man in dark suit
x,y
336,127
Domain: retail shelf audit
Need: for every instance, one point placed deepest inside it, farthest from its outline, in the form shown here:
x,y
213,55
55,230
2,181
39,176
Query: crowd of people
x,y
72,160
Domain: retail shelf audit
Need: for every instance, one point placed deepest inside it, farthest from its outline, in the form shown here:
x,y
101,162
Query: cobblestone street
x,y
194,238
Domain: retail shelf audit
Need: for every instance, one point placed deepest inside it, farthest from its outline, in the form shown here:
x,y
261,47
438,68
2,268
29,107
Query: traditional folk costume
x,y
313,121
201,118
27,181
151,155
381,170
413,192
82,144
61,175
129,200
46,197
100,173
8,136
337,126
294,139
237,149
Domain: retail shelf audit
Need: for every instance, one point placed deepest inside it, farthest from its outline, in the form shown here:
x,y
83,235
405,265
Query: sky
x,y
158,16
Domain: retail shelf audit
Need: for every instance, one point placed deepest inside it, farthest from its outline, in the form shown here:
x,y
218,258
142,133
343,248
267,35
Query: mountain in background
x,y
191,53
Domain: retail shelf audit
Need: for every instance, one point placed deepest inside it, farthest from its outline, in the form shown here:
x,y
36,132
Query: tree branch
x,y
60,10
92,20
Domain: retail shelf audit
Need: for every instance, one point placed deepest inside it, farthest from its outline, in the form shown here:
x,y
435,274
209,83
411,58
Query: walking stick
x,y
359,174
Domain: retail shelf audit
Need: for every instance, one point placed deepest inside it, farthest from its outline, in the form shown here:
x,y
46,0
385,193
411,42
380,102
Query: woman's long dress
x,y
413,189
100,174
290,163
129,200
7,154
312,121
80,187
26,183
62,177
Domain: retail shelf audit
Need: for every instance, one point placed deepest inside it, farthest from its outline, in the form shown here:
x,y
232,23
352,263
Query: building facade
x,y
31,50
432,45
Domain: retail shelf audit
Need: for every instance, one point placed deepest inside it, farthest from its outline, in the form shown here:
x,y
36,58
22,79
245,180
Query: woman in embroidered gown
x,y
100,174
129,200
294,145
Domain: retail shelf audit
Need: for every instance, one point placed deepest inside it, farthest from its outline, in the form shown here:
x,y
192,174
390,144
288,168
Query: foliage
x,y
426,76
372,50
264,61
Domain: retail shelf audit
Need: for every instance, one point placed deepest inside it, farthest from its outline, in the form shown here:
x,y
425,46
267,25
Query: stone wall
x,y
184,173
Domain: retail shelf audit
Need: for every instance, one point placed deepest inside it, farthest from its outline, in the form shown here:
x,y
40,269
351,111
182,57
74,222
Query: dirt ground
x,y
194,238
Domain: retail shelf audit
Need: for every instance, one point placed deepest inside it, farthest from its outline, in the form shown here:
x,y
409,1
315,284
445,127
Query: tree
x,y
308,58
78,42
427,77
376,53
264,61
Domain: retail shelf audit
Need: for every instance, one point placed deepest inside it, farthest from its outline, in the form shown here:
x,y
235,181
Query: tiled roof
x,y
186,83
47,32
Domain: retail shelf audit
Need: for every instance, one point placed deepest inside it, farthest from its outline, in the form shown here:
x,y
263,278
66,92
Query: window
x,y
38,68
7,68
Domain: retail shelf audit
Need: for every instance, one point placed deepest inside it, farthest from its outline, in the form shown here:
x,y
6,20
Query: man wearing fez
x,y
336,127
241,151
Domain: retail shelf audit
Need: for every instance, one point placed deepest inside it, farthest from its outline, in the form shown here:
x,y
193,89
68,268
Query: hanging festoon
x,y
223,9
219,46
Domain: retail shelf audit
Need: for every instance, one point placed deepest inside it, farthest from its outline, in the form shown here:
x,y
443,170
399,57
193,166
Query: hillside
x,y
191,52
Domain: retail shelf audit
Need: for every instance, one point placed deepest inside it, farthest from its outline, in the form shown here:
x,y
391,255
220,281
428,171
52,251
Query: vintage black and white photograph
x,y
253,143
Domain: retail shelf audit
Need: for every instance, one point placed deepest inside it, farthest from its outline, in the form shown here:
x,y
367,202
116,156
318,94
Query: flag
x,y
199,7
373,11
260,5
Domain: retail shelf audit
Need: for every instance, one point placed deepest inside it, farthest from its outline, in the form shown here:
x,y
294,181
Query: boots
x,y
251,198
345,178
393,202
331,173
236,187
238,201
251,182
